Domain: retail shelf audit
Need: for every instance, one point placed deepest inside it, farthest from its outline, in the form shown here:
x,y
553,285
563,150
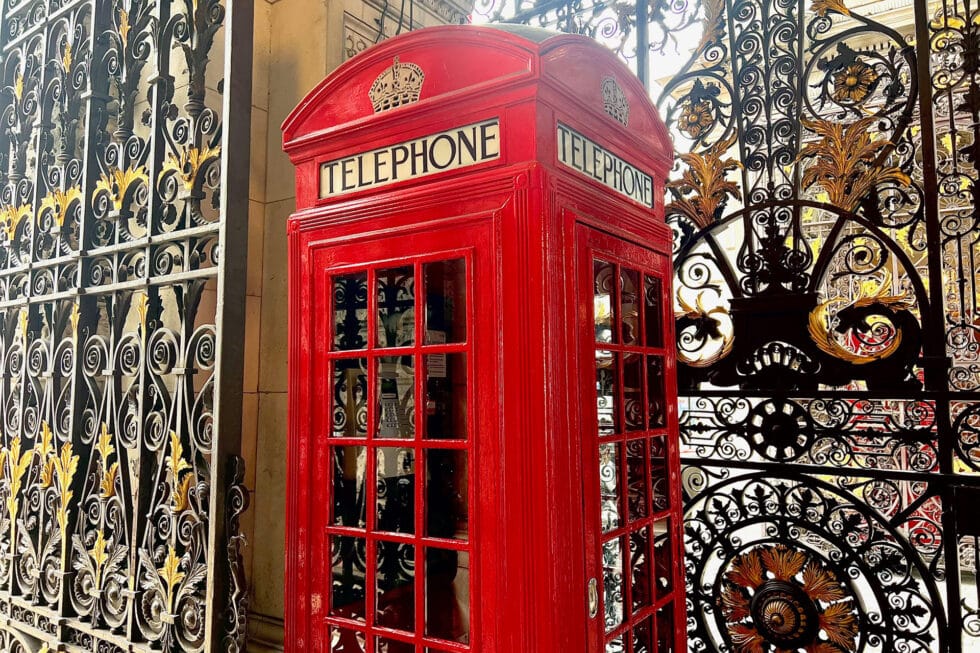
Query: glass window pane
x,y
349,490
659,474
643,637
395,580
640,568
607,386
612,572
630,306
665,630
396,490
446,488
615,646
385,645
636,475
396,306
445,301
609,486
348,555
343,640
656,393
396,400
653,315
447,595
663,560
350,311
633,391
602,301
350,398
445,401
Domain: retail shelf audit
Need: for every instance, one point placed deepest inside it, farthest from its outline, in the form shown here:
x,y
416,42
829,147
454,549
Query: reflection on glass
x,y
612,573
657,396
347,567
447,595
615,646
630,306
445,396
606,385
602,301
385,645
609,486
658,474
445,494
665,629
395,585
633,391
445,301
640,568
396,490
653,314
636,476
396,397
396,307
349,398
349,490
343,640
663,560
643,637
350,311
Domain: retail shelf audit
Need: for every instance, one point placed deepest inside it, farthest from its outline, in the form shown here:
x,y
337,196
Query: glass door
x,y
630,437
398,451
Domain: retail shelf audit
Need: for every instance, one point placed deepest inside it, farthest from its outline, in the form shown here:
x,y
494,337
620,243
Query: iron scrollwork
x,y
111,139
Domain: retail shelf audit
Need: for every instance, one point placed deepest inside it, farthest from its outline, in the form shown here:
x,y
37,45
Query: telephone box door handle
x,y
593,598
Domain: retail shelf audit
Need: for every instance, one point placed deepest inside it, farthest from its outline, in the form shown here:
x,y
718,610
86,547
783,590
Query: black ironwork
x,y
824,206
121,171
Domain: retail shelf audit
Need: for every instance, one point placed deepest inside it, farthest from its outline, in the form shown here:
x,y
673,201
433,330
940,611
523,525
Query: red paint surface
x,y
528,229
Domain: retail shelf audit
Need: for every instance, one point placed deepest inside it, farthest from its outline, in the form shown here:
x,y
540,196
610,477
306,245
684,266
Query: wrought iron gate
x,y
121,189
824,206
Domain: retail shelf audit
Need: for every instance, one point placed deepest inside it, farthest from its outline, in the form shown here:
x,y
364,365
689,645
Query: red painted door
x,y
399,412
634,558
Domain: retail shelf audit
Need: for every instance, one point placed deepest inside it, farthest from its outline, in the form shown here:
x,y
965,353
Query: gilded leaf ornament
x,y
702,191
171,574
188,163
117,184
66,58
821,7
845,161
11,217
19,87
59,202
124,26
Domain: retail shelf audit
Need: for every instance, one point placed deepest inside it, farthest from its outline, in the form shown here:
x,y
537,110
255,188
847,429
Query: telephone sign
x,y
483,424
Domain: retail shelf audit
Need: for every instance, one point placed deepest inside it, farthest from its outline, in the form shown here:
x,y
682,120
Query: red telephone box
x,y
483,426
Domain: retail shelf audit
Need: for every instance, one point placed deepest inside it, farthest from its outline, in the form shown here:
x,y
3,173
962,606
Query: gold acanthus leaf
x,y
107,486
840,623
124,26
99,552
188,163
76,313
19,87
747,570
176,460
104,446
59,202
181,494
45,446
11,217
66,58
844,161
821,7
820,585
117,183
171,574
142,307
703,186
784,563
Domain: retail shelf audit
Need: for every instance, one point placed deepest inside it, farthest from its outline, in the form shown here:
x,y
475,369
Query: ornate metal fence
x,y
824,206
122,187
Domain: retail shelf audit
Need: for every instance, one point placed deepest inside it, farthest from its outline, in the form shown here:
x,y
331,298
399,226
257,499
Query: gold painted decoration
x,y
854,82
124,26
118,184
58,202
820,320
847,162
718,339
66,58
780,599
12,216
696,119
822,7
703,189
188,163
19,87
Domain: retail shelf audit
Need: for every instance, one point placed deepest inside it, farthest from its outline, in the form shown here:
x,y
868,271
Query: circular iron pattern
x,y
779,430
784,614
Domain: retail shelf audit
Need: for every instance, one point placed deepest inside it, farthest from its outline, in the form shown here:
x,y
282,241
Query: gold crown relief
x,y
614,100
399,84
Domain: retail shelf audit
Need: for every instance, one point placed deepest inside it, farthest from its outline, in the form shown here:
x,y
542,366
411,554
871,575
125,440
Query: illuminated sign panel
x,y
591,159
449,150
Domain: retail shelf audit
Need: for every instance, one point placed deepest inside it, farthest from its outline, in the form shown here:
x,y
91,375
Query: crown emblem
x,y
399,84
614,100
